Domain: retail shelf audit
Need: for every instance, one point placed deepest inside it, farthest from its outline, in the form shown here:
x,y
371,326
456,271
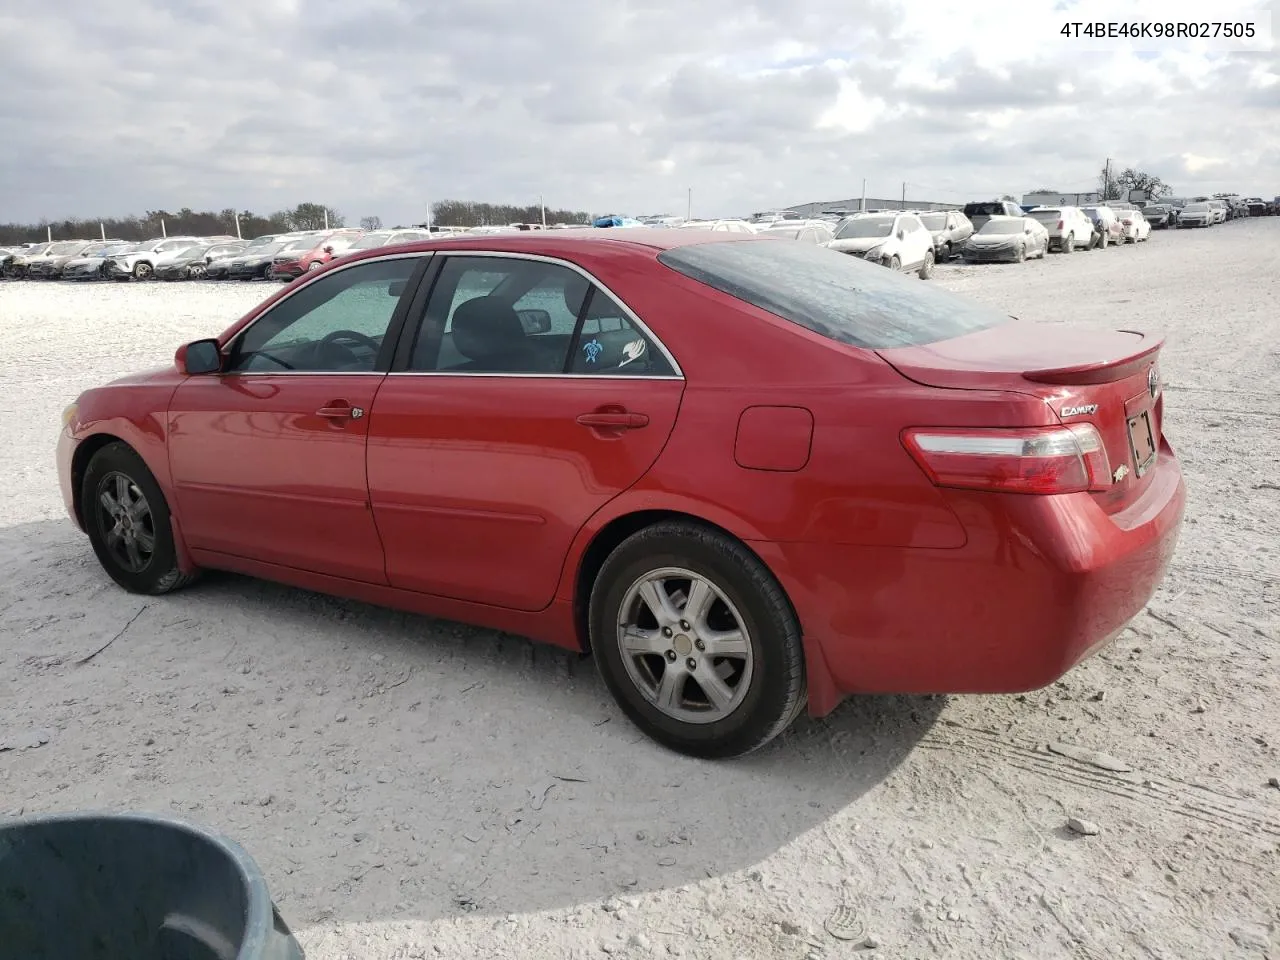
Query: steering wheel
x,y
332,347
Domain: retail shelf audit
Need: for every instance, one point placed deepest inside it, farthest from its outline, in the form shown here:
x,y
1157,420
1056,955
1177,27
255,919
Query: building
x,y
1060,199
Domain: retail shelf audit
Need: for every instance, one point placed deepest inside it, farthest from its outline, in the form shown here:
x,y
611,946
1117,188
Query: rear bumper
x,y
1041,584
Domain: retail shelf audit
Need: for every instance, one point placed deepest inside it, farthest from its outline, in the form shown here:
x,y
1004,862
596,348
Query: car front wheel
x,y
697,641
127,519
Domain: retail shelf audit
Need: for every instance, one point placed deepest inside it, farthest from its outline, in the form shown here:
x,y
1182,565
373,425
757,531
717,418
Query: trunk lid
x,y
1108,378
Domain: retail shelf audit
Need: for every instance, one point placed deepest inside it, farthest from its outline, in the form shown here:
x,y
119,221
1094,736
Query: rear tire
x,y
926,268
642,596
895,264
128,521
1069,244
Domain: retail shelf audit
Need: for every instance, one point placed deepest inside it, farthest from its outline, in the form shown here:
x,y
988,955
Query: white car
x,y
1136,227
1069,227
139,260
895,240
1196,215
729,226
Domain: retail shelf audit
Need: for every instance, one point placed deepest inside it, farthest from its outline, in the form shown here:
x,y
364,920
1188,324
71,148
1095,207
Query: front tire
x,y
128,521
142,270
696,641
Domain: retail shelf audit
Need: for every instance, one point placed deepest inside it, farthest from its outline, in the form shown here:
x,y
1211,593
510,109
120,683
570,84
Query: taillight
x,y
1061,224
1127,223
1041,460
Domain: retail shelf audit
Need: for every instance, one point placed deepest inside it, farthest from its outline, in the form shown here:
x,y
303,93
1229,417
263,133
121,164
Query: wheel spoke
x,y
659,604
726,643
696,608
671,687
637,641
718,692
114,537
110,504
146,541
122,491
135,555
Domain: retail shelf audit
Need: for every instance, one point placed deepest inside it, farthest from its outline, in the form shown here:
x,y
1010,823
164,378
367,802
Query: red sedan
x,y
750,476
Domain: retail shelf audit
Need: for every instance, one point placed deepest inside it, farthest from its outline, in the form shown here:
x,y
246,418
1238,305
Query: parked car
x,y
1221,212
895,240
311,252
1136,227
1014,239
1107,226
381,238
1069,228
92,261
189,263
806,231
950,229
980,212
254,263
1197,215
15,265
634,513
725,226
138,262
48,266
1159,216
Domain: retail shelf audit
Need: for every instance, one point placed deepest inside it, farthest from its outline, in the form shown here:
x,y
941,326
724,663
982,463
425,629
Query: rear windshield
x,y
983,209
833,294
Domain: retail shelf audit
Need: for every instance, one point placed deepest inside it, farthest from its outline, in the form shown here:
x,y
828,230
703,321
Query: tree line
x,y
184,222
305,216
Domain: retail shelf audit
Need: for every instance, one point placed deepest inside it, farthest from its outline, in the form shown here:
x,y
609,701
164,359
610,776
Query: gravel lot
x,y
413,787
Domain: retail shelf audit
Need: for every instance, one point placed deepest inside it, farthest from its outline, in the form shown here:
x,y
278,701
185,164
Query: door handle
x,y
340,410
614,421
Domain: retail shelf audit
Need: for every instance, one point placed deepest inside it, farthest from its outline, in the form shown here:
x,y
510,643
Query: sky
x,y
377,107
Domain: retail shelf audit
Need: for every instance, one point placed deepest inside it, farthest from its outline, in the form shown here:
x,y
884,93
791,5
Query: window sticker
x,y
592,350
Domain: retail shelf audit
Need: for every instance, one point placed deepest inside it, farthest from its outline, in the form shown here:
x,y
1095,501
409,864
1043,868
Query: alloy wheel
x,y
126,521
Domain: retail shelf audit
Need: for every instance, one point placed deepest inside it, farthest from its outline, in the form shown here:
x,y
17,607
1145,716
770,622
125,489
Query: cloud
x,y
380,106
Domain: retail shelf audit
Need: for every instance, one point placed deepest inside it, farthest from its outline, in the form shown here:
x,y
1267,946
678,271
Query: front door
x,y
268,457
528,399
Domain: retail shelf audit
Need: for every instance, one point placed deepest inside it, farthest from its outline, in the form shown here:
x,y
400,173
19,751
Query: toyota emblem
x,y
1153,382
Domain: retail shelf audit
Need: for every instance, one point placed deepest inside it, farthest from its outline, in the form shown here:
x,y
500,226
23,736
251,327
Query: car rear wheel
x,y
314,265
926,268
127,519
1069,244
697,641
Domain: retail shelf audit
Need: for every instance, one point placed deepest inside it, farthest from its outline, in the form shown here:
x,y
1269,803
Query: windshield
x,y
62,249
224,249
995,208
1046,216
1195,208
837,296
865,228
1002,227
370,240
934,221
266,249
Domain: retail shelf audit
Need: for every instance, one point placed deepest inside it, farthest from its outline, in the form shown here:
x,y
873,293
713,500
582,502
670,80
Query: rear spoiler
x,y
1107,371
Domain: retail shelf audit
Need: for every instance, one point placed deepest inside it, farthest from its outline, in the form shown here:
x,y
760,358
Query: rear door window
x,y
840,297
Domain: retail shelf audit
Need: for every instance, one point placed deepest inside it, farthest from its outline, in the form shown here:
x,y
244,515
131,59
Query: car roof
x,y
579,239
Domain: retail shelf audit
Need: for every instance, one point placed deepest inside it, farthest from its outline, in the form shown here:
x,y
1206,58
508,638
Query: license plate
x,y
1142,442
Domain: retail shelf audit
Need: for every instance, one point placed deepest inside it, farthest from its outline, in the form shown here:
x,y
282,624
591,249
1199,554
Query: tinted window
x,y
335,324
983,209
833,294
609,343
510,315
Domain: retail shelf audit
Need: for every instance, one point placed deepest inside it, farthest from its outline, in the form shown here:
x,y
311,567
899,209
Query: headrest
x,y
487,328
574,292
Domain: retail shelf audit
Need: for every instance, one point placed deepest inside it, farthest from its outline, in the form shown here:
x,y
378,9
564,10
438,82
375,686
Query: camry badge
x,y
1082,410
1122,471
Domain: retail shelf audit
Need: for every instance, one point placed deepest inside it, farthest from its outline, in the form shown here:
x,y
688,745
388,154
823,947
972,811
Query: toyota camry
x,y
749,476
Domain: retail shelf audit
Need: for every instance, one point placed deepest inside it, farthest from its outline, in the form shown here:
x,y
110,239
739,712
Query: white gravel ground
x,y
414,788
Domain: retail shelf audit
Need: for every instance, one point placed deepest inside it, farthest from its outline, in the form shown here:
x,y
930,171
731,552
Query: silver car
x,y
1012,239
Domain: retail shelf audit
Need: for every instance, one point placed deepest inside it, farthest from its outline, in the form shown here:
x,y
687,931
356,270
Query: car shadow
x,y
381,765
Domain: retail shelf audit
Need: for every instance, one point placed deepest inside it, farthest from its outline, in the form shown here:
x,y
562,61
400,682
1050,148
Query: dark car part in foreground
x,y
132,887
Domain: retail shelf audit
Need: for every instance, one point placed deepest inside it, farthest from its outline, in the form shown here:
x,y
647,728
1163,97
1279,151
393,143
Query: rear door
x,y
524,400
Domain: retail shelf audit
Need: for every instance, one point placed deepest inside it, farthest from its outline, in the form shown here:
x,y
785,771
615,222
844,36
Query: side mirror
x,y
902,234
328,249
199,357
535,321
